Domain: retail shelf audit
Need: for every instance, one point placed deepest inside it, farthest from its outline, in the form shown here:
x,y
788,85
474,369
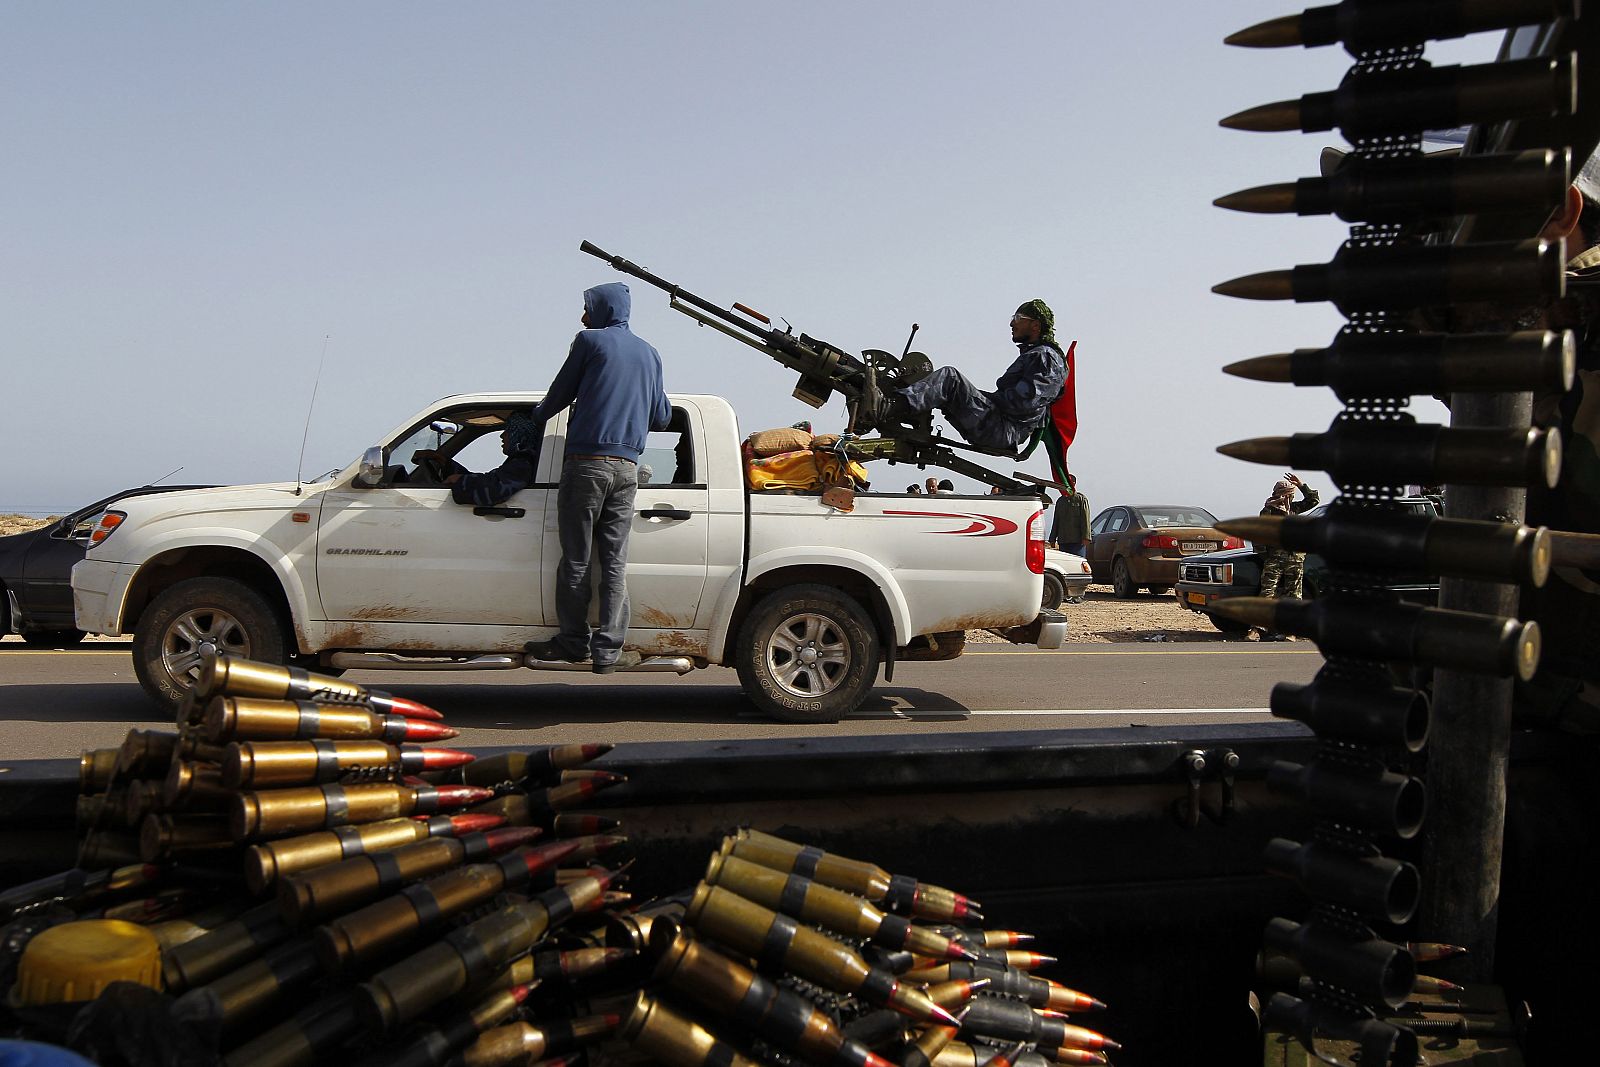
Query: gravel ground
x,y
1100,618
12,524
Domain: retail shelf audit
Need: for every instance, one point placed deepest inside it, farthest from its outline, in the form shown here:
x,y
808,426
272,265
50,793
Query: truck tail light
x,y
106,526
1159,541
1034,553
1233,542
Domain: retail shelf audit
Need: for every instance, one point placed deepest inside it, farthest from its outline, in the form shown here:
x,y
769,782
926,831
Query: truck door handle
x,y
505,513
665,513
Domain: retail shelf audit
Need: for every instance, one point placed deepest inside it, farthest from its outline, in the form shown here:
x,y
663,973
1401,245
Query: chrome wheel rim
x,y
197,632
808,655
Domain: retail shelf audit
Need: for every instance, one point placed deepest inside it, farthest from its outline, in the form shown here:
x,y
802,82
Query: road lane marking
x,y
1208,651
924,713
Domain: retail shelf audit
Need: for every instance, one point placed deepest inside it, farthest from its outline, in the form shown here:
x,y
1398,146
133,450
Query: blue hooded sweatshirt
x,y
612,379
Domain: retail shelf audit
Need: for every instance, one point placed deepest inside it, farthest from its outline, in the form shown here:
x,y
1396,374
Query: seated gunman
x,y
520,442
1003,420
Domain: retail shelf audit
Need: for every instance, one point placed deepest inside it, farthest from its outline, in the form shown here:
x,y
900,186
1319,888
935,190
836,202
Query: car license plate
x,y
1197,546
1197,598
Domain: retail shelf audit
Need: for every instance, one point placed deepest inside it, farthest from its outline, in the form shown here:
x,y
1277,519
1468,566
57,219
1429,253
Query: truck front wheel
x,y
808,653
181,621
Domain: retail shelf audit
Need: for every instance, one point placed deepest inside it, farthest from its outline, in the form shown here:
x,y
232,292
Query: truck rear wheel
x,y
221,612
808,653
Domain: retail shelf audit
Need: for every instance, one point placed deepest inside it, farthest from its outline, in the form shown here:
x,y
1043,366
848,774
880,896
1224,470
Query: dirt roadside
x,y
1101,618
14,524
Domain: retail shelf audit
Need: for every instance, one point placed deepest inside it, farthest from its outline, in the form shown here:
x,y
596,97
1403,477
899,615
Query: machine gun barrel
x,y
823,367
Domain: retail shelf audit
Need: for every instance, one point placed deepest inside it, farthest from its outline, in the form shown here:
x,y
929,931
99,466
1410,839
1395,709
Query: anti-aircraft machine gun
x,y
826,369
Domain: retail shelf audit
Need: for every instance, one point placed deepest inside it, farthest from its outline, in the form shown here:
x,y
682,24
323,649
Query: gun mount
x,y
826,369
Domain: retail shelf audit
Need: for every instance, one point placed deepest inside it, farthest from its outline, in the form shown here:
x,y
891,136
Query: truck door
x,y
668,540
405,552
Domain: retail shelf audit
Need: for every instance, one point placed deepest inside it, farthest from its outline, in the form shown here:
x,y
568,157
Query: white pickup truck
x,y
376,567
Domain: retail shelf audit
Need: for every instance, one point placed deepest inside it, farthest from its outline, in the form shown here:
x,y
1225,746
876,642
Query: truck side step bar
x,y
394,661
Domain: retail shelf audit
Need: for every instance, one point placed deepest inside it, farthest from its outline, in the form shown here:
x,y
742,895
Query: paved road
x,y
60,702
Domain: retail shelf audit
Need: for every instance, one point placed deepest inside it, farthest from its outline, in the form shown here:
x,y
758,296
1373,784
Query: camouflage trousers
x,y
1281,572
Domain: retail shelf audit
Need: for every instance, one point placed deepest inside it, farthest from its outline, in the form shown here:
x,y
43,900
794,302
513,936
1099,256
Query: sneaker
x,y
552,650
626,660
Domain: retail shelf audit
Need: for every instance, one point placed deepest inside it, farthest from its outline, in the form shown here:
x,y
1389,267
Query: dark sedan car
x,y
36,573
1134,545
1205,579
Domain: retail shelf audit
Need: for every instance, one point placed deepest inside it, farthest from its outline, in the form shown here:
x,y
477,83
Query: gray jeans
x,y
594,507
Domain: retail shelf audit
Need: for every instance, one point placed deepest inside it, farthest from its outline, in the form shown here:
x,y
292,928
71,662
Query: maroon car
x,y
1134,545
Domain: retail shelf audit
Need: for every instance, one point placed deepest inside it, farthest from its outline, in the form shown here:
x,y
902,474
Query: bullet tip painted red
x,y
411,709
438,759
477,822
461,796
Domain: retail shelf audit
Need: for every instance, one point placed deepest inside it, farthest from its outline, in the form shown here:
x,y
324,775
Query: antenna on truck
x,y
300,464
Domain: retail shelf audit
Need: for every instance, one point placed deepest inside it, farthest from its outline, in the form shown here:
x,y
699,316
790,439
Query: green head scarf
x,y
1040,312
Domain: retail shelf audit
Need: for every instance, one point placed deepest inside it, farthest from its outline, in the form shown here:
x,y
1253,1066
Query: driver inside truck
x,y
520,442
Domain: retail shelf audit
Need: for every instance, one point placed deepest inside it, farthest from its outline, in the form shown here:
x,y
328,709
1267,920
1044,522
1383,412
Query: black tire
x,y
167,638
1122,582
785,625
1159,590
52,638
1227,626
1055,591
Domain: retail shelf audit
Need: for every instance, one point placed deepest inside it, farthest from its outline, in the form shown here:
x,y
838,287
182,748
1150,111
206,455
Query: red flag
x,y
1064,417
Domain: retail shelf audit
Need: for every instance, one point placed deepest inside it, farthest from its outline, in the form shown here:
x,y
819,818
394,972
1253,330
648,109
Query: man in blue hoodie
x,y
612,381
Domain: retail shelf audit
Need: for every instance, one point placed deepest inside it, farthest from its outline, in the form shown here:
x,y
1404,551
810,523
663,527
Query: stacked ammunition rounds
x,y
347,884
1396,283
266,863
536,767
902,895
456,1033
277,812
471,954
231,718
224,674
254,764
729,988
362,935
279,779
408,936
829,908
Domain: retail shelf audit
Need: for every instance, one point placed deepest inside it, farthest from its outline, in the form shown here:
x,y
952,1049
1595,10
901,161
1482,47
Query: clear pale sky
x,y
195,195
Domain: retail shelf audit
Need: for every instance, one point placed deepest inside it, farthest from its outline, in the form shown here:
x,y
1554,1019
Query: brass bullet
x,y
1280,32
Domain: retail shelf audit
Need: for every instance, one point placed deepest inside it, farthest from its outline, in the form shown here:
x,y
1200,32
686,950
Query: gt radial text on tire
x,y
221,612
1122,582
1055,591
808,653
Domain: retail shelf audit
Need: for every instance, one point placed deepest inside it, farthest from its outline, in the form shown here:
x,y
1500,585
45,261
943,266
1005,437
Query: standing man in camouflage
x,y
1002,420
1282,571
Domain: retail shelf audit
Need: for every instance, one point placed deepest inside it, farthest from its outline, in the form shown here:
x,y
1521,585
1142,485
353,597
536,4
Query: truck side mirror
x,y
371,471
